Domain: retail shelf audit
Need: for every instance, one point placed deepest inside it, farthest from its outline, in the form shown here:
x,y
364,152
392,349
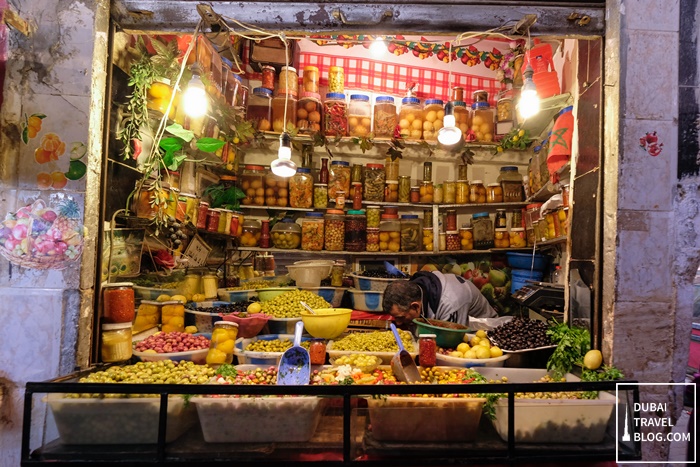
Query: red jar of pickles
x,y
118,302
317,352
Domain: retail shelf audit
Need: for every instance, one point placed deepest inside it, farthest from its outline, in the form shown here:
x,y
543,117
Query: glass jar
x,y
438,194
411,119
553,229
301,187
241,96
372,239
428,239
213,217
462,170
452,240
433,113
501,239
210,284
251,233
259,112
312,231
338,178
449,192
494,193
501,221
477,192
286,234
171,201
466,238
147,316
116,342
563,216
118,302
427,171
264,238
541,230
276,190
451,219
237,219
311,79
320,195
173,316
461,192
565,189
426,192
532,215
462,117
309,111
517,237
355,230
191,285
482,122
334,230
415,194
428,218
356,174
516,218
374,182
359,116
391,191
404,189
339,199
335,115
288,81
336,79
222,344
279,124
317,352
356,195
480,96
253,185
427,350
337,273
483,231
373,216
512,183
268,78
504,110
392,168
384,117
390,233
457,93
159,95
143,205
181,208
411,230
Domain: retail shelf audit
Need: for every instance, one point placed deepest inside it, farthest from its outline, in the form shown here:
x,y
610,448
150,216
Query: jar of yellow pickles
x,y
411,119
501,238
428,237
466,238
517,237
147,315
477,192
223,342
173,316
449,187
461,192
116,342
563,216
336,79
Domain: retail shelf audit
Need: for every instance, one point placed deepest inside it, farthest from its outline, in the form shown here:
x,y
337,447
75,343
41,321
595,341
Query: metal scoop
x,y
402,363
295,365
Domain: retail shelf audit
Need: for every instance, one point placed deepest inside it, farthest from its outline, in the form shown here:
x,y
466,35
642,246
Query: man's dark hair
x,y
402,294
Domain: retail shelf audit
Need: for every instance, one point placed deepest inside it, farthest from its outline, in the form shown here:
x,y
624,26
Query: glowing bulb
x,y
449,135
529,104
283,166
377,48
195,98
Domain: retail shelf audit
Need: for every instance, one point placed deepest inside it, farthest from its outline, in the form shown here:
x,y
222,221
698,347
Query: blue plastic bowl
x,y
524,261
520,276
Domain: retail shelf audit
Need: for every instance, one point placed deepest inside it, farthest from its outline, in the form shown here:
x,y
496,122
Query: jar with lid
x,y
426,192
286,234
438,194
355,230
391,191
264,234
147,315
159,95
279,102
356,174
384,117
259,112
335,115
372,238
374,182
428,239
415,194
565,195
501,221
494,193
466,238
483,231
116,342
532,214
336,79
171,201
191,285
392,168
213,217
461,192
237,219
268,78
251,233
449,191
334,230
373,216
309,111
210,284
288,81
451,219
359,115
404,189
312,231
541,230
442,241
118,302
516,218
337,273
276,190
517,237
301,187
143,204
428,218
462,117
477,192
240,98
317,352
338,178
390,233
501,239
452,240
553,228
482,122
563,216
512,183
433,113
222,344
173,316
411,119
253,185
356,194
504,110
320,195
427,350
462,171
411,230
311,79
339,199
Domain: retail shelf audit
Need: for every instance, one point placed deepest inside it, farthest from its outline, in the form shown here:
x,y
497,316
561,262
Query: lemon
x,y
485,343
471,353
191,329
198,297
474,341
483,352
466,338
593,359
216,357
163,298
463,347
495,352
254,307
481,333
179,298
456,354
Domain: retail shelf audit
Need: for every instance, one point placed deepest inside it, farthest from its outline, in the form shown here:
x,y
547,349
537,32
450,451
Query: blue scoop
x,y
294,368
391,269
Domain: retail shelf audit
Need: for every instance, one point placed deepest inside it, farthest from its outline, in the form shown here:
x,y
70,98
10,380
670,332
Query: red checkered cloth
x,y
390,78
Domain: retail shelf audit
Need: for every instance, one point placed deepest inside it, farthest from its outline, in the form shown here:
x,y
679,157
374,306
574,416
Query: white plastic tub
x,y
447,360
260,358
385,356
372,283
367,300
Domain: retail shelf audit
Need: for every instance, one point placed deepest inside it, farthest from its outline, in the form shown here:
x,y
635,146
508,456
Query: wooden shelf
x,y
275,208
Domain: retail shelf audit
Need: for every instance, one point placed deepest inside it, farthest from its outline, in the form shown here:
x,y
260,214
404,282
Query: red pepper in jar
x,y
427,350
317,352
118,303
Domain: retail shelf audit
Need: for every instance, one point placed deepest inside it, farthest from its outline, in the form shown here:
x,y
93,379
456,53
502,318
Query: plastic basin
x,y
268,294
367,300
444,337
524,261
519,278
327,323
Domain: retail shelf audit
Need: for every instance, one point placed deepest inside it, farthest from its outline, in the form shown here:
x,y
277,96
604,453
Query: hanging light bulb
x,y
283,166
529,104
378,47
449,135
195,98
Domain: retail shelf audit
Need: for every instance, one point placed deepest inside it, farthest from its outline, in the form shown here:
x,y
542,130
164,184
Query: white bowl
x,y
309,275
378,284
367,300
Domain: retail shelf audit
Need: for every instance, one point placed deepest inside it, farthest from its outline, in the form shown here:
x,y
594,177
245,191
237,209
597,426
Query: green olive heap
x,y
287,304
274,345
378,341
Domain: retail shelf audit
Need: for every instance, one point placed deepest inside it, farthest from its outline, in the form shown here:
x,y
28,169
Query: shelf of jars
x,y
383,253
480,206
538,245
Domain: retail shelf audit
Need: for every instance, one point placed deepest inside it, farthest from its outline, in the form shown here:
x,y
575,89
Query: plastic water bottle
x,y
558,276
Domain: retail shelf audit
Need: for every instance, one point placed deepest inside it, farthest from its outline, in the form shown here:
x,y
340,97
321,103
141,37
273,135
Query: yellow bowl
x,y
327,323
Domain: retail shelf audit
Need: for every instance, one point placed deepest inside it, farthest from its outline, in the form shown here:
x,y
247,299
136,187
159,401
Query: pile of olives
x,y
377,341
287,304
254,285
380,274
273,345
233,307
520,333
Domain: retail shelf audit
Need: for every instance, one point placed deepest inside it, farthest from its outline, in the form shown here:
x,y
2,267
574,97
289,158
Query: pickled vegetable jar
x,y
563,216
442,241
147,315
501,221
286,234
517,237
411,119
337,273
237,219
392,169
553,229
449,188
411,235
311,79
317,352
222,344
428,239
482,122
279,124
428,218
210,284
427,350
288,81
477,192
512,183
504,110
390,233
276,190
483,231
213,218
461,192
404,188
336,79
253,185
320,195
451,219
426,192
466,238
501,239
118,302
259,112
251,233
173,316
116,342
338,178
335,115
359,116
309,111
355,230
191,285
415,194
438,194
301,187
452,240
268,78
372,239
374,182
334,230
373,216
312,231
391,191
462,117
433,113
384,117
494,193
